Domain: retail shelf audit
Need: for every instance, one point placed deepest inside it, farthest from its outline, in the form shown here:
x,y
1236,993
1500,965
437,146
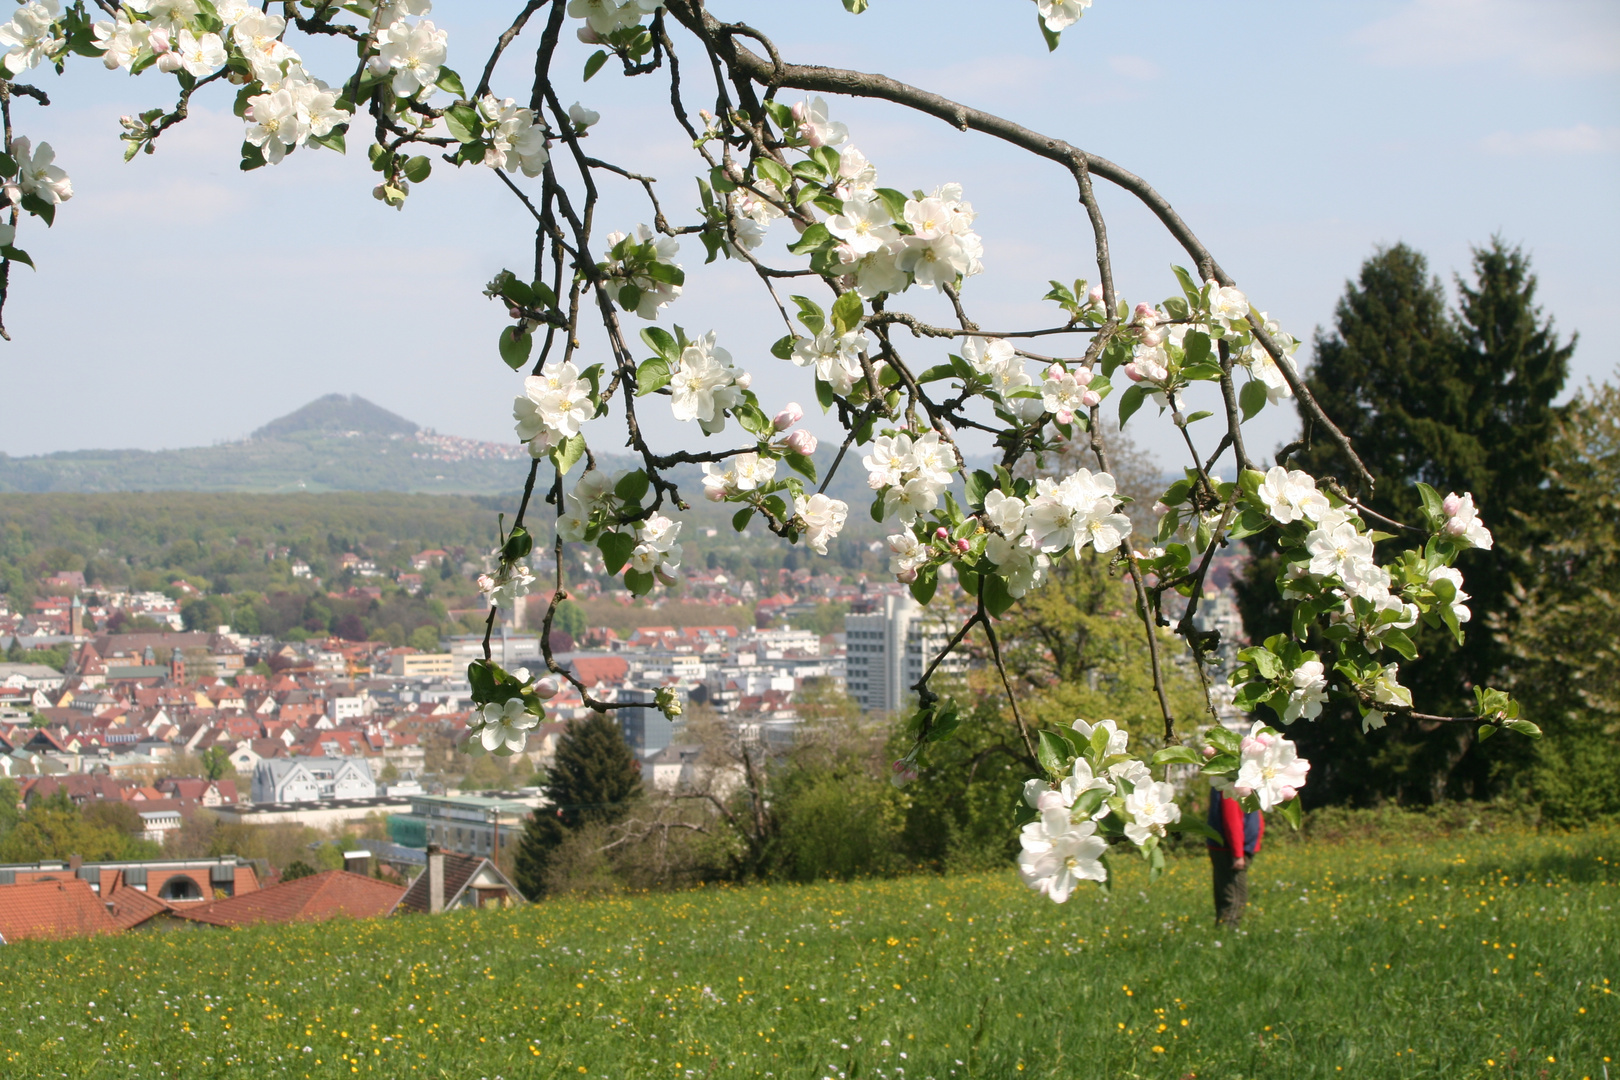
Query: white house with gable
x,y
312,779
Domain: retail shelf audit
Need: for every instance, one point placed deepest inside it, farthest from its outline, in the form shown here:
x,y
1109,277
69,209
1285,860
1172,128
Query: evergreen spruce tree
x,y
593,780
1463,403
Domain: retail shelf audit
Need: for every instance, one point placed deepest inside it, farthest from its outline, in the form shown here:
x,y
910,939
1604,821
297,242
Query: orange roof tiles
x,y
52,909
316,898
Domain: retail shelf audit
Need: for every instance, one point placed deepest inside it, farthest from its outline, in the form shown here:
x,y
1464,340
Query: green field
x,y
1476,957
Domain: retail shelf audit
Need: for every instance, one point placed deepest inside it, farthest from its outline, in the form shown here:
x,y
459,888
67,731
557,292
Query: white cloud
x,y
1547,36
1135,67
1580,139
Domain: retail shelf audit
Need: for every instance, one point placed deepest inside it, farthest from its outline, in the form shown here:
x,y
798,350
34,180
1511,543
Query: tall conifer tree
x,y
1461,402
593,780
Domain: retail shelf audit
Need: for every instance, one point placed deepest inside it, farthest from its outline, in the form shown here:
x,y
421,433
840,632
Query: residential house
x,y
311,779
328,895
451,881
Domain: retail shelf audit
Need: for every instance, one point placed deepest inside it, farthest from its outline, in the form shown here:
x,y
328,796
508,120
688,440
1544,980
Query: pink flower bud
x,y
1050,800
663,574
1132,373
1263,739
942,533
1286,792
744,380
715,494
168,63
1452,504
1090,399
1055,372
1095,296
1152,336
1209,751
802,442
1146,314
906,576
1063,416
1242,791
159,41
963,546
546,688
587,35
1249,745
791,414
798,112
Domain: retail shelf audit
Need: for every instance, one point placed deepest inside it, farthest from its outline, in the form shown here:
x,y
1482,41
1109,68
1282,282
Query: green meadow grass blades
x,y
1477,957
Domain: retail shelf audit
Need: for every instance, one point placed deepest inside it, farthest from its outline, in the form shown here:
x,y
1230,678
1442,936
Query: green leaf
x,y
1401,643
997,600
1195,823
616,548
1130,401
1524,727
979,484
1290,812
417,169
516,343
847,312
922,590
938,372
16,255
1185,755
518,544
8,165
661,342
783,348
1201,372
1196,347
740,520
252,158
632,488
801,465
450,83
814,237
810,314
1054,753
855,7
1202,414
894,201
825,395
639,582
594,63
569,453
1051,36
775,172
1252,398
463,122
333,140
652,375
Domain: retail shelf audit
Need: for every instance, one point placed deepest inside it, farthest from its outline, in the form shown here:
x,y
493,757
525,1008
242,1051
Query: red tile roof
x,y
596,670
315,898
52,909
129,907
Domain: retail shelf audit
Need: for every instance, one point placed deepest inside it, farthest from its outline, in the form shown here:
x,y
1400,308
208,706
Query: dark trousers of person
x,y
1231,886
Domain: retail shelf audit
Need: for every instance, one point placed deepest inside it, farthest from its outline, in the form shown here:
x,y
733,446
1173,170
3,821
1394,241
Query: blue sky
x,y
179,302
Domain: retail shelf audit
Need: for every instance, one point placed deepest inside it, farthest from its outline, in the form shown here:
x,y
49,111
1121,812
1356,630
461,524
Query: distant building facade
x,y
312,779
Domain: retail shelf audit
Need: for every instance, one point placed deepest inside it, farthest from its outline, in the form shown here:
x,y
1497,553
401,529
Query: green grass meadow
x,y
1483,956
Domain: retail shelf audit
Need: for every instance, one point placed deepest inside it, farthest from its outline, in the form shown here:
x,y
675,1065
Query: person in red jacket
x,y
1229,861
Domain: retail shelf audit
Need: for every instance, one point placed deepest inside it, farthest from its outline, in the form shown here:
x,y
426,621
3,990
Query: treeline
x,y
1463,397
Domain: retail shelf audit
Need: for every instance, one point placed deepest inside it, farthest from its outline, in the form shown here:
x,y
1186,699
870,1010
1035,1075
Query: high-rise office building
x,y
887,651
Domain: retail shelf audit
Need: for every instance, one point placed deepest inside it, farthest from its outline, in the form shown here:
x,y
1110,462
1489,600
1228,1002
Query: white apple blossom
x,y
515,140
557,399
907,500
1058,854
1103,528
703,384
505,583
1340,551
814,126
1291,495
200,56
906,554
1005,512
122,41
31,36
1064,393
1059,15
836,357
316,103
1309,692
413,53
37,174
1462,522
168,15
582,117
752,212
876,272
606,16
1227,304
752,471
934,261
865,225
232,12
823,519
1061,514
257,36
857,177
1019,561
506,726
1116,742
1150,807
1271,768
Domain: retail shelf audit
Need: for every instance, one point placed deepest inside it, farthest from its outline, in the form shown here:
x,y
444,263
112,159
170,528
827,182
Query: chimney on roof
x,y
357,862
435,876
74,862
